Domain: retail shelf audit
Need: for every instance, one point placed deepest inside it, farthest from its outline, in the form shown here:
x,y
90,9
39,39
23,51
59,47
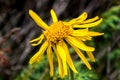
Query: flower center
x,y
57,31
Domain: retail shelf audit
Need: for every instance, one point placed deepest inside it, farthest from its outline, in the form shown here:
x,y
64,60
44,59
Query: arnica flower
x,y
55,37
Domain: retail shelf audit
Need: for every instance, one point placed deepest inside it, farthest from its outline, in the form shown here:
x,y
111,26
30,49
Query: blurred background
x,y
17,28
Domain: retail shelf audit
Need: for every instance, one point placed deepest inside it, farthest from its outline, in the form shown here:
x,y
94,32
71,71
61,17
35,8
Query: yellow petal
x,y
90,20
87,37
38,20
50,59
54,16
90,56
39,39
83,15
81,32
61,70
61,53
60,64
36,39
82,57
81,18
91,33
78,43
88,25
84,38
39,54
69,60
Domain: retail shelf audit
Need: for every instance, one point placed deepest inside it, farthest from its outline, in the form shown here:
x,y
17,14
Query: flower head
x,y
55,36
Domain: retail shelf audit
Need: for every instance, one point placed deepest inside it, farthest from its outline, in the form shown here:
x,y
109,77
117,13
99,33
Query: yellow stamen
x,y
57,31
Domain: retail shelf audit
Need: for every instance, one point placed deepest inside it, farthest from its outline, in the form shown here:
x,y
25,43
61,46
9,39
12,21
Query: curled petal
x,y
84,38
83,15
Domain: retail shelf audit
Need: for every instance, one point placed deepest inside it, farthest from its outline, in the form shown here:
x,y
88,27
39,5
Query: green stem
x,y
71,75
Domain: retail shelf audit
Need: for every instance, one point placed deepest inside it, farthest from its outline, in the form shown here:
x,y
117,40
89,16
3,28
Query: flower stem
x,y
71,74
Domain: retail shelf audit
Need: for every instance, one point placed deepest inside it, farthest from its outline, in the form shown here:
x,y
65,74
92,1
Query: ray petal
x,y
50,59
78,44
88,25
81,18
82,57
39,39
90,56
36,39
68,57
38,20
62,55
54,16
81,32
91,33
60,64
90,20
39,54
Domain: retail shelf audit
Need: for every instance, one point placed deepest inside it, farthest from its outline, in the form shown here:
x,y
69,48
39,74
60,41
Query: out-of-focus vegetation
x,y
109,45
41,71
16,29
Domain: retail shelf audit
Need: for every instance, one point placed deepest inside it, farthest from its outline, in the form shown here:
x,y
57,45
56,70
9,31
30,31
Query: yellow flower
x,y
55,36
